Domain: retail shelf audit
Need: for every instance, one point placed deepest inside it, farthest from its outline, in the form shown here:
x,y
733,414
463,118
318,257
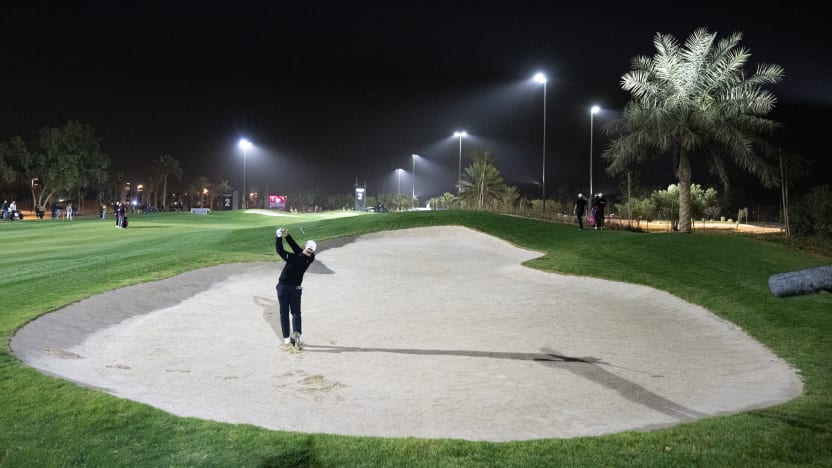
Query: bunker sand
x,y
432,332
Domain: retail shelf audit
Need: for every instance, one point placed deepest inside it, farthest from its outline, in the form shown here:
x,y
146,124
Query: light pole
x,y
245,145
414,174
400,170
541,78
460,135
592,112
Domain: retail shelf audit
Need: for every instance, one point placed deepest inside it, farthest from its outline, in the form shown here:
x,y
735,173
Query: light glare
x,y
540,78
245,144
595,109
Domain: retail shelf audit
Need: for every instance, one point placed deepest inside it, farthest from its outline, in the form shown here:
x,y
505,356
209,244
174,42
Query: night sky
x,y
334,92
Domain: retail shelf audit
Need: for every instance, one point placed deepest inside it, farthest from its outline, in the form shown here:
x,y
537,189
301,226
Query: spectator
x,y
600,204
121,213
580,206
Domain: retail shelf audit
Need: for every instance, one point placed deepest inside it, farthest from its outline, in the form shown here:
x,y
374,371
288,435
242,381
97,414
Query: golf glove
x,y
280,232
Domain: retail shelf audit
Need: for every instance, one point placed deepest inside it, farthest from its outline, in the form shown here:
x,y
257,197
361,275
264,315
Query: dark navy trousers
x,y
288,296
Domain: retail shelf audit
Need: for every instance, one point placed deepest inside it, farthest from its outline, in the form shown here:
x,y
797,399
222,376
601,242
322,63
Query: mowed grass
x,y
48,422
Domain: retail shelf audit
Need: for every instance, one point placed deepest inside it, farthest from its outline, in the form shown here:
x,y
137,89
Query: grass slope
x,y
49,422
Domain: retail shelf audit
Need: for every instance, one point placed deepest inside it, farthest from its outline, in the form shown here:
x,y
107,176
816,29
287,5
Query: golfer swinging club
x,y
289,286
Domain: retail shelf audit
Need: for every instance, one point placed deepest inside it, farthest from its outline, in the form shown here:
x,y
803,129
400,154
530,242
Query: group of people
x,y
596,213
69,211
10,210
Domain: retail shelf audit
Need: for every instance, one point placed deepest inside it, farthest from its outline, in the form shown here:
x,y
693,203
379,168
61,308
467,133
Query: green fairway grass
x,y
48,422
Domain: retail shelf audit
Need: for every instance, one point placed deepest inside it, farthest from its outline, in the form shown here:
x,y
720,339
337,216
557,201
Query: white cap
x,y
311,245
580,195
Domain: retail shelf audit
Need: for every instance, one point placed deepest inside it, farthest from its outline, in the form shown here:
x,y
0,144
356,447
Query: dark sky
x,y
331,92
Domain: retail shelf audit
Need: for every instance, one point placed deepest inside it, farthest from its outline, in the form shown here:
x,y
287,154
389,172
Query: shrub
x,y
812,217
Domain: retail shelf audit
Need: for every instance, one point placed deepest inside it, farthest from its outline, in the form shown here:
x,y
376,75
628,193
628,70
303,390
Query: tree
x,y
482,183
8,155
793,167
66,160
303,200
196,191
151,188
11,155
447,200
509,198
666,203
388,200
813,215
704,202
341,201
695,103
163,167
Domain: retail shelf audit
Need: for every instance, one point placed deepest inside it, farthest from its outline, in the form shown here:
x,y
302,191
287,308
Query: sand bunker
x,y
433,332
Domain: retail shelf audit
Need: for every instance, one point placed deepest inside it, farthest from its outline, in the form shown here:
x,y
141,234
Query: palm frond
x,y
767,74
695,98
665,44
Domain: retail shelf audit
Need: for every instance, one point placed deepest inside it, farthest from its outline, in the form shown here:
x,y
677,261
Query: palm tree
x,y
694,102
197,190
151,188
448,199
163,167
482,182
509,198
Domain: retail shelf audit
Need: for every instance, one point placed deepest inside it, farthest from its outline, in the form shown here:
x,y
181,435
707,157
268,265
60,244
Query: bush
x,y
812,217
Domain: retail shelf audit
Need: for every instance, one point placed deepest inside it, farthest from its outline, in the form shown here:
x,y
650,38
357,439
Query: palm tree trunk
x,y
683,174
784,194
165,193
482,189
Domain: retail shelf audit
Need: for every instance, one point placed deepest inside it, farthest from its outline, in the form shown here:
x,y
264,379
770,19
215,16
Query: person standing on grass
x,y
580,206
12,210
600,204
289,287
120,214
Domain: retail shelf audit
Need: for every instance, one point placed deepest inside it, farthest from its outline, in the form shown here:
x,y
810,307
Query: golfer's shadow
x,y
588,368
271,313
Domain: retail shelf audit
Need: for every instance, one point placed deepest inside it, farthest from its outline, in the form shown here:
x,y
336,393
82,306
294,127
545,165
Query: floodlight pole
x,y
461,135
592,112
541,78
414,175
543,179
245,145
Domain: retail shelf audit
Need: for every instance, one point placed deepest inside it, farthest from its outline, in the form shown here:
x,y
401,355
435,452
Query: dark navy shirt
x,y
580,205
296,262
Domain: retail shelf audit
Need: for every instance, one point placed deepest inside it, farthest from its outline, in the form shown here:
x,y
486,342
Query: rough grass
x,y
49,422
